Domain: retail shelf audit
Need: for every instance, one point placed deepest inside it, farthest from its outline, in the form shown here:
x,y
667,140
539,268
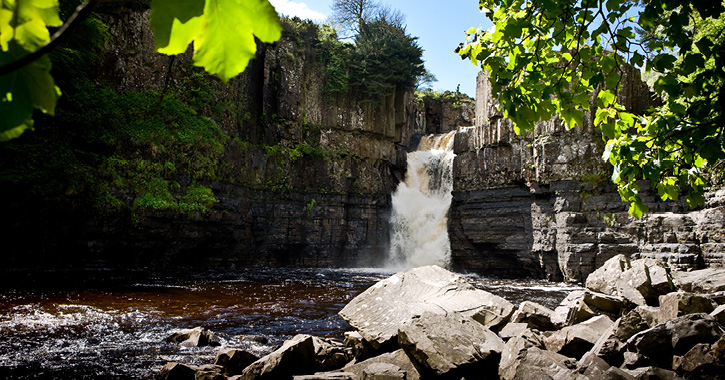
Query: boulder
x,y
638,319
580,305
719,314
451,345
327,376
209,373
383,371
634,284
677,304
604,279
660,277
382,309
706,281
330,355
397,358
639,282
652,373
233,361
675,337
295,357
513,329
574,341
592,367
702,361
196,337
524,359
177,371
360,349
609,348
535,316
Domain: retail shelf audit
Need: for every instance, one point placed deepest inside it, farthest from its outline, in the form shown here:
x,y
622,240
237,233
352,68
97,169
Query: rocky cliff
x,y
280,170
542,204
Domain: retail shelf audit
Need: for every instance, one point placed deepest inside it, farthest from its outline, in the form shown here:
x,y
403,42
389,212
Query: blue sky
x,y
440,26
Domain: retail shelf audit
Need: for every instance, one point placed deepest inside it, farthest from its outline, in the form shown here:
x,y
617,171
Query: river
x,y
111,324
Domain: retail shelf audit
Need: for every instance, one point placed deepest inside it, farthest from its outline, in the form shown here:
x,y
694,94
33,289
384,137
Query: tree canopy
x,y
548,57
222,31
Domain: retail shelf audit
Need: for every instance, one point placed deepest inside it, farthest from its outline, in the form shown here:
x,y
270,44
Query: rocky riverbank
x,y
634,320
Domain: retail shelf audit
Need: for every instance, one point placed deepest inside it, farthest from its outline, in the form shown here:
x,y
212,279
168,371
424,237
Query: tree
x,y
549,57
385,58
352,15
222,31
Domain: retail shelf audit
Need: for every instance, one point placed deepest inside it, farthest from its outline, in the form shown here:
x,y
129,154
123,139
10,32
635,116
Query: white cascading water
x,y
420,206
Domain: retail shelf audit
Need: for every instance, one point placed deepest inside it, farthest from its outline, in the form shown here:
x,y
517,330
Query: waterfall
x,y
420,206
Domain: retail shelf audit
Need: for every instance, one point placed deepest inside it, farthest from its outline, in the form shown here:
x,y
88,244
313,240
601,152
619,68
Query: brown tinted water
x,y
85,324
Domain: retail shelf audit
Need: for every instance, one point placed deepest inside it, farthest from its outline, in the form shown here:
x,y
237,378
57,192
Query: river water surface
x,y
100,323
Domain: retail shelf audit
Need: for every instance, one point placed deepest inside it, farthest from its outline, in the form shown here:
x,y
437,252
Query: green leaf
x,y
223,34
606,98
664,62
637,208
572,118
23,90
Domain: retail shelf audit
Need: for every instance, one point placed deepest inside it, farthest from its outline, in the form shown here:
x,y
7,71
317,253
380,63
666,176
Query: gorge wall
x,y
279,170
543,204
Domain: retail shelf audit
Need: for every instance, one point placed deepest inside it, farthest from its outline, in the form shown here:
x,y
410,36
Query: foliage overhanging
x,y
548,57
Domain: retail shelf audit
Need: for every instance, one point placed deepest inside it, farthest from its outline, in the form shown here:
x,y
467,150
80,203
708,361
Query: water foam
x,y
420,206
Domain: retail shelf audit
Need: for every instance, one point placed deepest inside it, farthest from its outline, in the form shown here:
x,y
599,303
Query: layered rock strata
x,y
543,204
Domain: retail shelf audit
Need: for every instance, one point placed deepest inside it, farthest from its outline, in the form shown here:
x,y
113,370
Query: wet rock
x,y
382,309
574,341
708,280
196,337
177,371
397,358
295,357
523,359
675,337
534,315
234,361
677,304
702,361
451,345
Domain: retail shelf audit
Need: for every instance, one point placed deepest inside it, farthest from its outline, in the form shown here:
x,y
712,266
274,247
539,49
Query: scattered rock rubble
x,y
635,320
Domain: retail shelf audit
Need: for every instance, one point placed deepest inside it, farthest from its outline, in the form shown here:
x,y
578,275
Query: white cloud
x,y
301,10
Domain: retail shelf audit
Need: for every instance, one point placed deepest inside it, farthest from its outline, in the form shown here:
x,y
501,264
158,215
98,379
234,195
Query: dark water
x,y
87,324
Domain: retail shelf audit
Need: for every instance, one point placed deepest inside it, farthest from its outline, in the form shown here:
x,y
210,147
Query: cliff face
x,y
299,175
542,204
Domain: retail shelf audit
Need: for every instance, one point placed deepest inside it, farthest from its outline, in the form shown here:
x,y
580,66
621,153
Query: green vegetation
x,y
25,80
547,57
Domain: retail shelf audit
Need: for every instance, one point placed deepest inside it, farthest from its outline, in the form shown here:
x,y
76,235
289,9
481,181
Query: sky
x,y
439,25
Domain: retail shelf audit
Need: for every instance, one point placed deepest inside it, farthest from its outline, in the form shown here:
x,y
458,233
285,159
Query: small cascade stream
x,y
420,206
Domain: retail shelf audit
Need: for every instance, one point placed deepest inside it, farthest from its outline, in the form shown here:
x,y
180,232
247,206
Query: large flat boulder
x,y
382,309
234,361
580,305
451,345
